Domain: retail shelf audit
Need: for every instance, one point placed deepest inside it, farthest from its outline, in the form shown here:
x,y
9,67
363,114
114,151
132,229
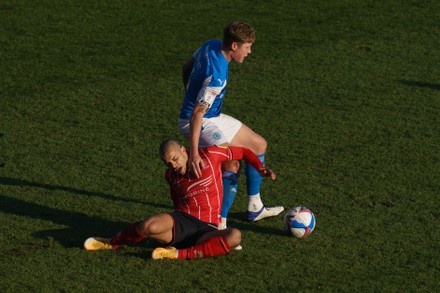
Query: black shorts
x,y
188,229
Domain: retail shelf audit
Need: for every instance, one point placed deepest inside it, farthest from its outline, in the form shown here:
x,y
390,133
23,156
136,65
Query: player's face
x,y
176,158
240,52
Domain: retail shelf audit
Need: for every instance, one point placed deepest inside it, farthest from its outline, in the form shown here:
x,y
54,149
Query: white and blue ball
x,y
299,222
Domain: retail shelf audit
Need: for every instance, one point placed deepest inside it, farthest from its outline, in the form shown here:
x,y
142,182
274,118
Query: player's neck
x,y
226,53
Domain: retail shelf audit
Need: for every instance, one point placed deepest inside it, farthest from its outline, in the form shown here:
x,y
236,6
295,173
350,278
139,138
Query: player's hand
x,y
196,165
267,173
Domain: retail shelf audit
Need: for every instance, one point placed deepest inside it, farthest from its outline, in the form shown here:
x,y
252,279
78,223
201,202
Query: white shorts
x,y
215,131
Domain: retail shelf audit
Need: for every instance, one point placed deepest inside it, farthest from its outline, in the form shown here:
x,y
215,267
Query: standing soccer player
x,y
191,230
205,76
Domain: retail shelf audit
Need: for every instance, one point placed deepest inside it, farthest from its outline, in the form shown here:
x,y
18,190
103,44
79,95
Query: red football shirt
x,y
202,197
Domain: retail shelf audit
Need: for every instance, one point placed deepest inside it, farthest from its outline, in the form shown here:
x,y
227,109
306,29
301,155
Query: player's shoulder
x,y
212,48
213,43
216,147
214,150
169,174
210,45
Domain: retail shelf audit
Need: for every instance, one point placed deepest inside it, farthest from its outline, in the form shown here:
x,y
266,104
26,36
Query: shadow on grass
x,y
19,182
421,84
241,224
79,226
239,220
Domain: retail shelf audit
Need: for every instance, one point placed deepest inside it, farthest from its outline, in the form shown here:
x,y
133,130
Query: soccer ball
x,y
299,222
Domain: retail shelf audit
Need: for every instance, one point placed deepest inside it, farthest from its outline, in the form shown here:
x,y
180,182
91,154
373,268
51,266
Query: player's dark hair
x,y
239,32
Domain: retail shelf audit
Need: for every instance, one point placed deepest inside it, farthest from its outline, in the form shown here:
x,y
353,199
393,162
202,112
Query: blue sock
x,y
253,178
230,184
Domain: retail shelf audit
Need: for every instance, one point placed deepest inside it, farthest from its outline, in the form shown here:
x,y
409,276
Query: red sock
x,y
128,236
215,246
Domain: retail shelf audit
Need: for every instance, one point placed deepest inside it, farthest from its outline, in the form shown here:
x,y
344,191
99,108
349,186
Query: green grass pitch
x,y
347,94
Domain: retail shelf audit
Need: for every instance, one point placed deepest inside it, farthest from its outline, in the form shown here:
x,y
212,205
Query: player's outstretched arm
x,y
239,153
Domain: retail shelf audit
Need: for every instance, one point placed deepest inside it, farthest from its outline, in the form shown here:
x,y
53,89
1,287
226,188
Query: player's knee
x,y
232,166
234,237
261,146
150,226
257,144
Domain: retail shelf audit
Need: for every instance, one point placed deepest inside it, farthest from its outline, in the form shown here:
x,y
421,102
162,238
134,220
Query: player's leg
x,y
231,171
246,137
219,131
195,239
223,129
231,235
214,243
158,227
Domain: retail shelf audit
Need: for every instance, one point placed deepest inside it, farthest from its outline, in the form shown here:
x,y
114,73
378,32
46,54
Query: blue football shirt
x,y
207,82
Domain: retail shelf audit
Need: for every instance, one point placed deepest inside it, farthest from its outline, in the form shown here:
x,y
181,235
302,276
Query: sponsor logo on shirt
x,y
201,186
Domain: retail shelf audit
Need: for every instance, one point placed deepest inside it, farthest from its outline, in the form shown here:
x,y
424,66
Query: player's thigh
x,y
215,131
188,229
248,138
211,133
158,227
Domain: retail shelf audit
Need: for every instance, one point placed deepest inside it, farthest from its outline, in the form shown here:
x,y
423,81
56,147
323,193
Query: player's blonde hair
x,y
239,32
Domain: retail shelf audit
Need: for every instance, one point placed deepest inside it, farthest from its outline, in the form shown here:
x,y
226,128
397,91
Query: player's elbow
x,y
197,114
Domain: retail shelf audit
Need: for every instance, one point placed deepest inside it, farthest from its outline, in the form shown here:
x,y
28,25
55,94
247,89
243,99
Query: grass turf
x,y
346,93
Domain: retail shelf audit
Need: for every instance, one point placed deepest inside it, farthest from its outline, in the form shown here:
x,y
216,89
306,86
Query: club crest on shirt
x,y
216,135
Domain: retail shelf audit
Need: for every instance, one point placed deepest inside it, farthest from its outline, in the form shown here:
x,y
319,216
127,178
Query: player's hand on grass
x,y
267,173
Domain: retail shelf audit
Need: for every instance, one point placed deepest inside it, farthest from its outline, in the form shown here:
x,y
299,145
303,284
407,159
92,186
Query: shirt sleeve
x,y
215,72
207,94
230,153
239,153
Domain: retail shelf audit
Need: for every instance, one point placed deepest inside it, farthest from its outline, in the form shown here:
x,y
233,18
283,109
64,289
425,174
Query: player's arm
x,y
195,124
186,71
206,98
238,153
